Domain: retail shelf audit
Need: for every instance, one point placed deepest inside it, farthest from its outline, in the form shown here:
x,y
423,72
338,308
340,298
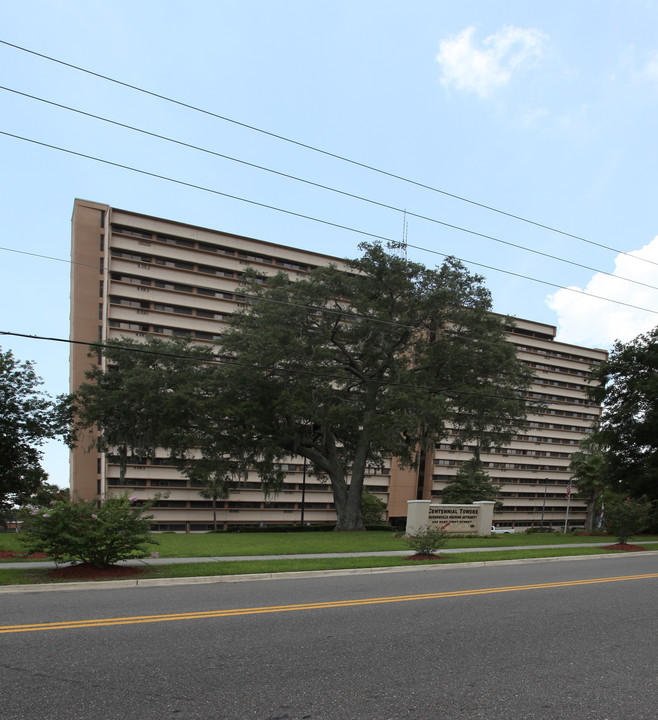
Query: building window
x,y
175,241
172,309
179,264
292,265
133,232
126,255
173,286
254,258
215,271
119,325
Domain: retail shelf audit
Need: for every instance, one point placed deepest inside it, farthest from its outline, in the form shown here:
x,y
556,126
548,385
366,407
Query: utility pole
x,y
543,507
303,490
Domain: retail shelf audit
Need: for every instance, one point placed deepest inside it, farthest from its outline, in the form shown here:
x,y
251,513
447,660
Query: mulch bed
x,y
13,555
624,547
89,572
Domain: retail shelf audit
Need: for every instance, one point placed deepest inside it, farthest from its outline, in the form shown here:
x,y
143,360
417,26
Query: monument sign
x,y
473,519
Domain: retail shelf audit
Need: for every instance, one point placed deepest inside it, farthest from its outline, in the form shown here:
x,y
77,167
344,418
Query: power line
x,y
321,186
344,314
291,371
327,153
339,226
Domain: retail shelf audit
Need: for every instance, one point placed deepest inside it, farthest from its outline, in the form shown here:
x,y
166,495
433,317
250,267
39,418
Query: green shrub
x,y
624,518
96,532
372,509
427,539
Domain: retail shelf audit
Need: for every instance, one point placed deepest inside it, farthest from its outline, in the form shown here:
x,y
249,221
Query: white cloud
x,y
651,66
483,69
589,321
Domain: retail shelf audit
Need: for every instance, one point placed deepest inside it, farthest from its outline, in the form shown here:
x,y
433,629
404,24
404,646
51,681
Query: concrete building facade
x,y
134,275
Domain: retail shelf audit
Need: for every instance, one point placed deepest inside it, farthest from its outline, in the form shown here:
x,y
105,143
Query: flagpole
x,y
566,519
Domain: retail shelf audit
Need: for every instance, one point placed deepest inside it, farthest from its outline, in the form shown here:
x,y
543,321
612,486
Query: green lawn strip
x,y
243,567
248,567
172,545
231,544
11,576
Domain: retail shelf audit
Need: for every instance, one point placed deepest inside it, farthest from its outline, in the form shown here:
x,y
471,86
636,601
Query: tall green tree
x,y
626,517
217,475
28,417
145,397
157,396
348,368
472,483
591,475
342,368
628,432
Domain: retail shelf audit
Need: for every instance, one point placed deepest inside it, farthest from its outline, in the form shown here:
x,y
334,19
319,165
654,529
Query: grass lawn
x,y
9,576
231,544
226,545
171,545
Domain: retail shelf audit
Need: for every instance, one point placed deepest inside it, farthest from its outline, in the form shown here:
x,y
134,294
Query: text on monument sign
x,y
462,520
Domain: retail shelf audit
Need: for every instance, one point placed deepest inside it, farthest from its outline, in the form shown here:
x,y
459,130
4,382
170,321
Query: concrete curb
x,y
206,580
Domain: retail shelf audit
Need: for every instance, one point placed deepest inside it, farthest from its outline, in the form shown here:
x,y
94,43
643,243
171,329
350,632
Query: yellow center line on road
x,y
139,619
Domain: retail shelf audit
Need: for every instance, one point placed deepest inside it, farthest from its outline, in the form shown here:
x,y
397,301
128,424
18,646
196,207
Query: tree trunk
x,y
589,518
214,513
349,519
347,500
349,516
592,502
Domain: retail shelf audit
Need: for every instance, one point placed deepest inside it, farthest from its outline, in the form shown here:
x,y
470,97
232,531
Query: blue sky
x,y
545,110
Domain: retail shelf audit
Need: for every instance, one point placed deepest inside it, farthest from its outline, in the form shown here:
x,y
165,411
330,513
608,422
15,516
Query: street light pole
x,y
303,490
543,507
566,519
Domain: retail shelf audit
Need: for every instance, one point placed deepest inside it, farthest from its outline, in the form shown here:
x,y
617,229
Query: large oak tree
x,y
342,368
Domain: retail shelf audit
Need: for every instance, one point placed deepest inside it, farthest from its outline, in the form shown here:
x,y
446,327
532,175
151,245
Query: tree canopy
x,y
628,432
146,397
471,484
28,417
592,476
342,368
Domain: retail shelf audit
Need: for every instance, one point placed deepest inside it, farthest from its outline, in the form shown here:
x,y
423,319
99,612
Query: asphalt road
x,y
518,641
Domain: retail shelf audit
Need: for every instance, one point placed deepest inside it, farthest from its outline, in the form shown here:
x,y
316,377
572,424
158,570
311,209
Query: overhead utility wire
x,y
321,151
314,219
377,203
344,314
291,371
323,309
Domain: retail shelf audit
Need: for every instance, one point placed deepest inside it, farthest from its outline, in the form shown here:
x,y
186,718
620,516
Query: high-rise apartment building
x,y
134,275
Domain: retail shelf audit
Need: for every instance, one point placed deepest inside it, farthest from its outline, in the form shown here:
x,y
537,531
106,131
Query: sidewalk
x,y
386,553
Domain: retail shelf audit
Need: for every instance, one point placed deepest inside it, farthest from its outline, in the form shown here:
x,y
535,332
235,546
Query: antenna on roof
x,y
400,248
